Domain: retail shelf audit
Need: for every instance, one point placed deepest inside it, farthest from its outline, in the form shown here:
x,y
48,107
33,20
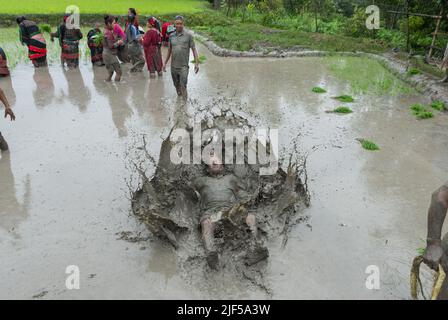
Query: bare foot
x,y
213,260
255,255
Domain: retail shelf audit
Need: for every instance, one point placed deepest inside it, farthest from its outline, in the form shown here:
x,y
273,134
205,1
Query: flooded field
x,y
65,199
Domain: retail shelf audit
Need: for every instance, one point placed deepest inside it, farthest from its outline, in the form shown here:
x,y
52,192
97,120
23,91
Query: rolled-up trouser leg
x,y
208,236
180,79
114,67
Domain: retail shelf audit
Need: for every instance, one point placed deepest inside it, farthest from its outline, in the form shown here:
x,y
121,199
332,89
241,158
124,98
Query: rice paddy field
x,y
113,6
17,53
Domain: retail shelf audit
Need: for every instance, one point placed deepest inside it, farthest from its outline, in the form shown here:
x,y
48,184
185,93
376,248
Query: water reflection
x,y
44,92
12,213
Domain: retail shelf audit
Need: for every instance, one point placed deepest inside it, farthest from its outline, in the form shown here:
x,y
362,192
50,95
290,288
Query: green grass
x,y
342,109
202,59
232,34
368,145
114,6
421,112
366,75
438,105
345,98
413,71
319,90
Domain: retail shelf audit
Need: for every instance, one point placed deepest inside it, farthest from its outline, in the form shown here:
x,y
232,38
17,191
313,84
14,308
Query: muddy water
x,y
64,199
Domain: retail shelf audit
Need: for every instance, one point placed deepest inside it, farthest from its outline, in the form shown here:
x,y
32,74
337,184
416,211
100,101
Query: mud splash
x,y
167,204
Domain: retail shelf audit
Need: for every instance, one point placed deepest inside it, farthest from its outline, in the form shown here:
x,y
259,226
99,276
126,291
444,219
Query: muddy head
x,y
215,166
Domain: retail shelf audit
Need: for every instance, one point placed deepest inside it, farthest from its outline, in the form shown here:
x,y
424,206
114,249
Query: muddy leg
x,y
118,71
252,224
209,242
444,262
257,251
109,77
183,92
3,143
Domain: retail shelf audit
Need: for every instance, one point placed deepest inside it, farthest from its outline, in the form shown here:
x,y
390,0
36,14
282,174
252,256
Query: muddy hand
x,y
10,113
432,256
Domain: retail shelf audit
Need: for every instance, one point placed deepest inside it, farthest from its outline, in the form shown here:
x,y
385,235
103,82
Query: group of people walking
x,y
111,48
114,46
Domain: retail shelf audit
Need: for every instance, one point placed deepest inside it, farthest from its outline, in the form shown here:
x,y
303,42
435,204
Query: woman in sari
x,y
31,36
134,12
4,71
151,44
123,54
69,42
95,46
134,47
110,45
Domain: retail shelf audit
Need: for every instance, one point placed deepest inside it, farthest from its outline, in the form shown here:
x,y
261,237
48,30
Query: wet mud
x,y
169,206
65,186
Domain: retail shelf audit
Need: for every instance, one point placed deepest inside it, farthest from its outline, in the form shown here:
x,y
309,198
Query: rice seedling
x,y
98,39
368,145
341,109
421,112
438,105
345,98
319,90
413,71
45,28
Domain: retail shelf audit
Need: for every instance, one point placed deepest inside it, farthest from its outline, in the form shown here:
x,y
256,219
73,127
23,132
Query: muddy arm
x,y
8,110
240,189
3,99
168,56
436,217
437,214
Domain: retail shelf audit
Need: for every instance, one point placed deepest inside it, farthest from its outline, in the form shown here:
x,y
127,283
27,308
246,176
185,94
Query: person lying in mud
x,y
222,195
436,252
8,112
